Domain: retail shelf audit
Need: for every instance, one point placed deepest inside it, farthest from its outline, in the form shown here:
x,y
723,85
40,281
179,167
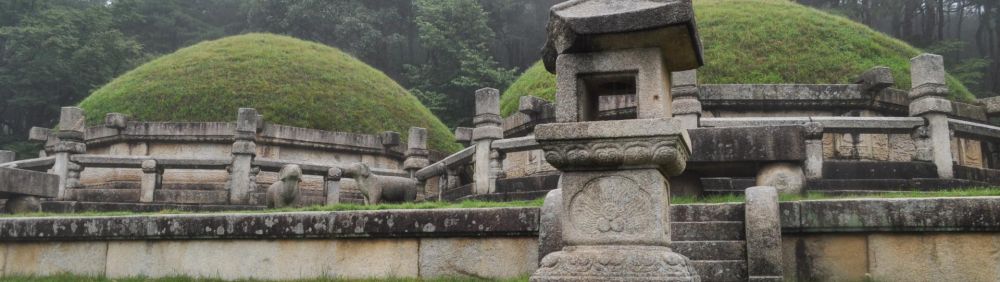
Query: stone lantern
x,y
615,215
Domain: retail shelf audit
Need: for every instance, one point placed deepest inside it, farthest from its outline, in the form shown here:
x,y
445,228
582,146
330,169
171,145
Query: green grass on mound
x,y
289,81
772,42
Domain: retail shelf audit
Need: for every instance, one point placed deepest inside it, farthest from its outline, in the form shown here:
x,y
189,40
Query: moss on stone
x,y
289,81
772,41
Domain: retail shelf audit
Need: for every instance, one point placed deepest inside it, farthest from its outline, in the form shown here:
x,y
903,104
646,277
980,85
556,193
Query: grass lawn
x,y
74,278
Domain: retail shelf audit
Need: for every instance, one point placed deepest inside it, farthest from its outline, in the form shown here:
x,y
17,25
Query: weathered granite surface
x,y
753,144
354,224
892,215
17,182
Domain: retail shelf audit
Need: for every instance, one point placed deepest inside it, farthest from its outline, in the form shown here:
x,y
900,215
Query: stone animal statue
x,y
285,191
377,189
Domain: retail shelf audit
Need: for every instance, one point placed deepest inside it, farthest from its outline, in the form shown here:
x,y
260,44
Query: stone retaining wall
x,y
934,239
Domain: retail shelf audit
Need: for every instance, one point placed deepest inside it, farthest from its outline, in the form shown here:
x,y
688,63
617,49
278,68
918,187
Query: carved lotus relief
x,y
612,205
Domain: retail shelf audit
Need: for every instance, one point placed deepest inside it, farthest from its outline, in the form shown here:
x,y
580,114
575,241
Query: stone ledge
x,y
968,214
494,222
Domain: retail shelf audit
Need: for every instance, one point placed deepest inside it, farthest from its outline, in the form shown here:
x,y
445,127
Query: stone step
x,y
707,231
918,184
506,197
528,183
711,250
706,212
878,170
721,270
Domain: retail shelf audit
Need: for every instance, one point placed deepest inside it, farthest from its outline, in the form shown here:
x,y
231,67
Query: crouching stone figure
x,y
285,191
378,189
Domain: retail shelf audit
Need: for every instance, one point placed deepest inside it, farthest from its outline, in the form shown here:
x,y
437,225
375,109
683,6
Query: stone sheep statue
x,y
285,191
377,189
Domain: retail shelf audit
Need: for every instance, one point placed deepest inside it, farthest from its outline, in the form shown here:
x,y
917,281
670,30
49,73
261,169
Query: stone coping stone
x,y
837,169
297,225
967,214
19,182
610,129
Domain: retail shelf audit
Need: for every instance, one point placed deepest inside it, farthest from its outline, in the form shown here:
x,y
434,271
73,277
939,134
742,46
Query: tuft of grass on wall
x,y
772,42
289,81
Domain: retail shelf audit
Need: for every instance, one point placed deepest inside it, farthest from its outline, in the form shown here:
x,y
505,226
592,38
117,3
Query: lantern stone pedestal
x,y
615,212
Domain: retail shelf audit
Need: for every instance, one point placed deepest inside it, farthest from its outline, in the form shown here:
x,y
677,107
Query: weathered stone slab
x,y
841,257
898,215
17,182
491,258
722,271
711,250
355,224
47,258
933,257
755,144
377,258
763,233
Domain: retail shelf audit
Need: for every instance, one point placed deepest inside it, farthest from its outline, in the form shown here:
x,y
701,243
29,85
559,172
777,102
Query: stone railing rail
x,y
830,124
36,164
974,129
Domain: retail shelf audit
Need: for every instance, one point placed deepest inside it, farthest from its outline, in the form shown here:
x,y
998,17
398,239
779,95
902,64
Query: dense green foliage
x,y
52,53
797,45
289,81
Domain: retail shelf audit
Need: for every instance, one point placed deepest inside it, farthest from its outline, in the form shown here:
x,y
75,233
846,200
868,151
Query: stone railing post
x,y
763,234
72,125
813,166
686,106
487,121
7,156
389,139
244,151
416,151
929,99
151,178
331,185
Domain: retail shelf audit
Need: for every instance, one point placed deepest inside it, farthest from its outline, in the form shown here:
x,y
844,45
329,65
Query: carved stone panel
x,y
621,208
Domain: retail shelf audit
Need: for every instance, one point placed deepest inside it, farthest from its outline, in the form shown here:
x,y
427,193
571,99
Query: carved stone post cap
x,y
927,69
334,173
876,79
246,120
390,138
487,106
72,123
531,105
149,166
581,26
417,141
463,134
618,144
39,134
115,120
813,130
7,156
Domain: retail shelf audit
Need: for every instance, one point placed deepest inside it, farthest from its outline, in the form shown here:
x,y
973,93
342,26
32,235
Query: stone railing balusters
x,y
151,178
813,166
685,105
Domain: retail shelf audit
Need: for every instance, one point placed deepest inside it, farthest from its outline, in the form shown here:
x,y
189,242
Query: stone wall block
x,y
763,234
7,156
